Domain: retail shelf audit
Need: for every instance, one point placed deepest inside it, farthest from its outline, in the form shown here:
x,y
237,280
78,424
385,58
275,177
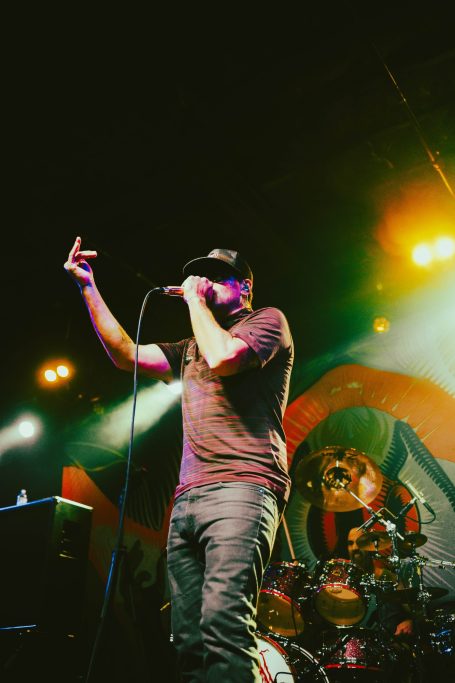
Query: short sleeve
x,y
174,352
266,331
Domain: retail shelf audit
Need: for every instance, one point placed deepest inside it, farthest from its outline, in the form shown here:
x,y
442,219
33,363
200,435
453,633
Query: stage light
x,y
54,373
381,325
26,428
422,254
63,371
444,248
112,427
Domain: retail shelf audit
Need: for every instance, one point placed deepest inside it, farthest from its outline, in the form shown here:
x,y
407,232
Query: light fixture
x,y
381,324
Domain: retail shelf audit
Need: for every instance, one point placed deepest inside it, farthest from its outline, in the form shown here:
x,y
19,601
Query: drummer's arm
x,y
405,628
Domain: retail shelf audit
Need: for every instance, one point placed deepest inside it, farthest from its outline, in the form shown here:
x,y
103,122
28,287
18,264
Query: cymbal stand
x,y
340,480
419,561
441,564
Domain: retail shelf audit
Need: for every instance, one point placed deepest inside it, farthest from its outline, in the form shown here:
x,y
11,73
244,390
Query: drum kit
x,y
312,625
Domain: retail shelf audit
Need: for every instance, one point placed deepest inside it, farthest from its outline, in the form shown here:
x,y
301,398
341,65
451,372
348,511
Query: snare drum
x,y
285,588
340,592
358,654
287,662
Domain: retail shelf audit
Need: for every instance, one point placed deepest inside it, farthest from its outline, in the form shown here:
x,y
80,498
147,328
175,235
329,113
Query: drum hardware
x,y
323,476
374,541
411,541
434,649
437,634
329,479
440,564
422,595
415,595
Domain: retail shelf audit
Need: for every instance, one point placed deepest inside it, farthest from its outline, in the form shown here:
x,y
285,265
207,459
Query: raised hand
x,y
77,265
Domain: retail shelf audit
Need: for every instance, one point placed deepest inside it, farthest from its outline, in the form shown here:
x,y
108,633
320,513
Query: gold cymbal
x,y
374,540
323,476
411,541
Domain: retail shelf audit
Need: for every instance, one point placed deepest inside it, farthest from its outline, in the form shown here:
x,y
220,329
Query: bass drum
x,y
286,662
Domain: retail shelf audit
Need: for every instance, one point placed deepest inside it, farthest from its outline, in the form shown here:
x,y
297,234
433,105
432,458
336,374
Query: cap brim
x,y
207,266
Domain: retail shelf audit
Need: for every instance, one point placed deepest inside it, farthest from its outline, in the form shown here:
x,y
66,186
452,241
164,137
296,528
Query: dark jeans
x,y
220,541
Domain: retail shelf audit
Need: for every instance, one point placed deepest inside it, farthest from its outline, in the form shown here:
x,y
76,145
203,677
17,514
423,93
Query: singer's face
x,y
226,296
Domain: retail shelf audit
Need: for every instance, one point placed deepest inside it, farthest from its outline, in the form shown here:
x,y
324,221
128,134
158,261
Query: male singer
x,y
233,482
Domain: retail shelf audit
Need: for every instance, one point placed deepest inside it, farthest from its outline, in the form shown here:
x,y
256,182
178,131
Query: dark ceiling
x,y
158,137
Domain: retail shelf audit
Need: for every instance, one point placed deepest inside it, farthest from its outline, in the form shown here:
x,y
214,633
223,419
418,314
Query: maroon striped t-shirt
x,y
232,426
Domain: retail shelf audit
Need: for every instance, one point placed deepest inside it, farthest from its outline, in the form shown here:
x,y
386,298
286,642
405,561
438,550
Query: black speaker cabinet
x,y
43,563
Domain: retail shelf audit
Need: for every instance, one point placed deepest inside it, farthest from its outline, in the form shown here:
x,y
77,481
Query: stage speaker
x,y
43,564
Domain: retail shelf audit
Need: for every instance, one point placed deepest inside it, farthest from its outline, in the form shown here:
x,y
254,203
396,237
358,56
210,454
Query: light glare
x,y
26,429
381,325
421,254
444,248
175,387
62,371
50,375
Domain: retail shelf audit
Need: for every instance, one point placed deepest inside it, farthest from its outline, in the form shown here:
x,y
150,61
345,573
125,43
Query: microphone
x,y
420,498
366,525
407,507
170,291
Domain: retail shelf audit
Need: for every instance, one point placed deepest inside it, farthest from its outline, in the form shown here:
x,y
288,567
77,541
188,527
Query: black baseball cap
x,y
219,262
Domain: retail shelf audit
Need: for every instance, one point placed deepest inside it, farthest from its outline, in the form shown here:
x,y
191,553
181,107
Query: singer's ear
x,y
246,289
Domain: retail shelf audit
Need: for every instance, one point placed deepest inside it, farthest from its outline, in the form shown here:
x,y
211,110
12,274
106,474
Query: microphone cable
x,y
119,548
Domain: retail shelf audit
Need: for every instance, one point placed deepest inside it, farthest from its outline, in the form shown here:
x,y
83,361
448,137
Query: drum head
x,y
287,663
340,596
284,589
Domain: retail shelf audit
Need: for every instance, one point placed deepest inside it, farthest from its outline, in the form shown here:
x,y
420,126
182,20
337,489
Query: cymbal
x,y
322,477
374,540
411,541
409,595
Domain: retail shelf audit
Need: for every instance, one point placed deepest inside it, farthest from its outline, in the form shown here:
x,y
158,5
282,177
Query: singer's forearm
x,y
224,354
118,344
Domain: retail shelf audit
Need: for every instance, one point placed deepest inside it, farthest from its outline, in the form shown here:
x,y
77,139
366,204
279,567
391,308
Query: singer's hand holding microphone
x,y
194,287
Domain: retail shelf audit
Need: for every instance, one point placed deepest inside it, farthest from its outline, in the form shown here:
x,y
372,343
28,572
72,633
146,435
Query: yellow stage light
x,y
63,371
381,325
422,254
55,372
444,248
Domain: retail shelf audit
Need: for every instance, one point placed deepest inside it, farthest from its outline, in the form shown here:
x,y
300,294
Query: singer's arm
x,y
226,355
118,344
